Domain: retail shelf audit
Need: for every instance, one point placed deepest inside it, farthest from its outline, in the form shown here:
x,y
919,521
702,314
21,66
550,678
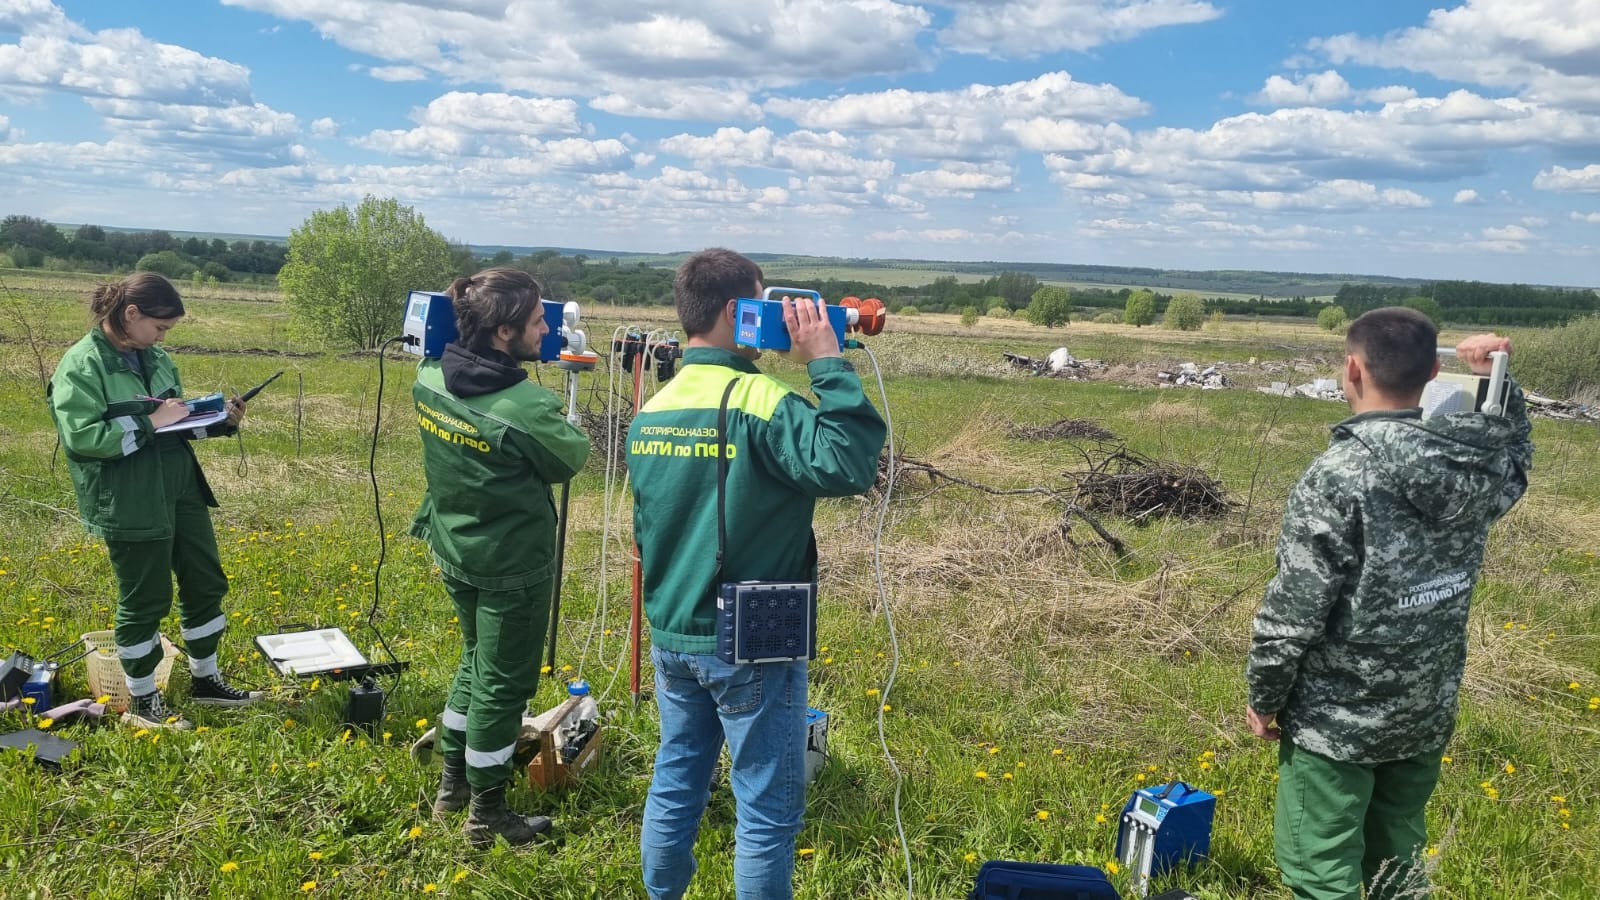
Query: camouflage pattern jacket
x,y
1360,642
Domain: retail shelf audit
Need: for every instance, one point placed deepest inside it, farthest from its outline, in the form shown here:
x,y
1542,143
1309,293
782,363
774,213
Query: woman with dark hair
x,y
141,489
493,443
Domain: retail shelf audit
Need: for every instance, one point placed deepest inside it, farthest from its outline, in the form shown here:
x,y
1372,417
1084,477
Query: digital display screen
x,y
749,316
1148,807
419,307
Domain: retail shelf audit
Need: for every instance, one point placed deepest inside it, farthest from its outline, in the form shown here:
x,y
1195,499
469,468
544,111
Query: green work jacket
x,y
113,452
783,453
490,460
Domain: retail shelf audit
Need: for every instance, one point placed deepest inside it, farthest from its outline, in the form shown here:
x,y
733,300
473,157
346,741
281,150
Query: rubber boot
x,y
453,790
490,819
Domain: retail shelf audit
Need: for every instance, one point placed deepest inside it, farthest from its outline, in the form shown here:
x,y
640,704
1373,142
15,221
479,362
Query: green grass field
x,y
1040,681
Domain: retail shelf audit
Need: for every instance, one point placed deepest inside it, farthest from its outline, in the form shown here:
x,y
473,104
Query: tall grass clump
x,y
1563,362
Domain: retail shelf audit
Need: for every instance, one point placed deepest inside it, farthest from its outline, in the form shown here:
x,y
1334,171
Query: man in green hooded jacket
x,y
493,443
1360,642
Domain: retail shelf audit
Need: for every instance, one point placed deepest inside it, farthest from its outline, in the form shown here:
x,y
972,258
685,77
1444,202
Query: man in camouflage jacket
x,y
1359,645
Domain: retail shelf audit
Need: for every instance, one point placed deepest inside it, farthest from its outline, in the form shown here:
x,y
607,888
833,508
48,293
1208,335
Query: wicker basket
x,y
105,668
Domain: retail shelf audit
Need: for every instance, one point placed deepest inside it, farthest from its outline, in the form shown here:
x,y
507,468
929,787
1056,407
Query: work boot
x,y
453,790
151,711
490,818
211,690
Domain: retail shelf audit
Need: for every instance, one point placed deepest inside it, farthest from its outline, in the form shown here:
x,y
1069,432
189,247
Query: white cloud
x,y
1032,27
122,63
1316,89
679,102
398,73
1467,195
590,46
1535,221
800,151
5,129
1508,233
1543,48
959,179
1559,178
1589,218
470,124
325,127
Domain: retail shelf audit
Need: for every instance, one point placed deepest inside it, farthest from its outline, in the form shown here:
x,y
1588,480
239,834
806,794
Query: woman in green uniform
x,y
113,397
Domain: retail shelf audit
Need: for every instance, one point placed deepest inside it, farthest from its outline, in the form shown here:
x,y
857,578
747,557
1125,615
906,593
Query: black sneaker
x,y
151,711
211,690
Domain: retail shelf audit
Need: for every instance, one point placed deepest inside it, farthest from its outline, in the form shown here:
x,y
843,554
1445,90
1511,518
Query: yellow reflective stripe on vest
x,y
701,387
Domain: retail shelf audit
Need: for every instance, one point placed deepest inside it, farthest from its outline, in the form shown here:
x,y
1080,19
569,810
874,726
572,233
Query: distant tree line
x,y
33,243
1475,302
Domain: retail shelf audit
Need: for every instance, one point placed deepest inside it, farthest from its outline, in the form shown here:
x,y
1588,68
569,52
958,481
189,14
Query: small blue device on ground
x,y
816,742
431,323
766,621
760,321
1164,826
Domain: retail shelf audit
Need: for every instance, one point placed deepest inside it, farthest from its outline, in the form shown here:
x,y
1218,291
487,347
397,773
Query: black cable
x,y
377,509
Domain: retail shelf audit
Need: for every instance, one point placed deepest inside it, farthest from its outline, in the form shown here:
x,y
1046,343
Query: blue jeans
x,y
760,708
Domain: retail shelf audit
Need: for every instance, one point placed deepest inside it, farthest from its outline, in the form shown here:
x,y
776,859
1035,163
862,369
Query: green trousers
x,y
1341,826
502,639
145,570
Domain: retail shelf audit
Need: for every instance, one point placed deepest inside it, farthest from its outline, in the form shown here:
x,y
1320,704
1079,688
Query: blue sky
x,y
1398,138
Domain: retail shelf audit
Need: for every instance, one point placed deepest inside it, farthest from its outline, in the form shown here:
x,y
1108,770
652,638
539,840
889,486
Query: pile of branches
x,y
1063,428
1126,483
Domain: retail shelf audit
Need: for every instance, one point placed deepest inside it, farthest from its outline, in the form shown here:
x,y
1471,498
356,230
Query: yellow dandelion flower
x,y
970,857
1100,819
1433,851
460,876
140,733
994,750
315,854
806,851
887,707
289,723
567,667
229,866
872,692
827,659
980,774
1510,769
1042,815
1573,685
429,888
1557,798
45,723
28,701
1446,759
1204,766
1057,752
544,670
103,699
308,887
1006,776
1564,812
414,833
387,735
422,722
1112,867
1139,777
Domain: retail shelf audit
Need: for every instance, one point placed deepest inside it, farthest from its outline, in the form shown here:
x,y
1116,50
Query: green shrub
x,y
999,312
1108,318
1561,362
1185,313
969,316
1331,318
909,311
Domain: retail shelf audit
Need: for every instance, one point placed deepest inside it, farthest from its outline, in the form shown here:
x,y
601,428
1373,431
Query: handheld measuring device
x,y
430,323
1163,826
1453,392
766,621
759,321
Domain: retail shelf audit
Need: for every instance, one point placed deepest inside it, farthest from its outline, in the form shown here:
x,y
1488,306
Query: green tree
x,y
1428,307
1140,309
1050,306
969,316
350,270
1185,312
1331,318
167,263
